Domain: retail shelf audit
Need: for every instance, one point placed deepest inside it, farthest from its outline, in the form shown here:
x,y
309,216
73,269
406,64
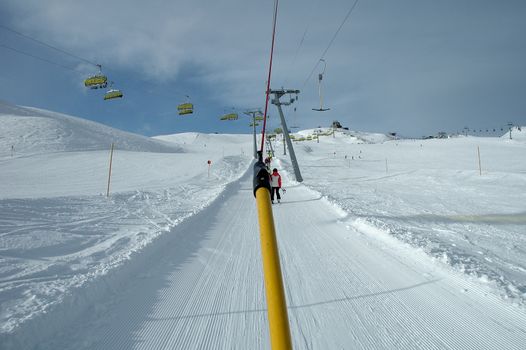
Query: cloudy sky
x,y
415,67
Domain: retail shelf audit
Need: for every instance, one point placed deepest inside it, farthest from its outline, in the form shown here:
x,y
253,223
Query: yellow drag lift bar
x,y
277,306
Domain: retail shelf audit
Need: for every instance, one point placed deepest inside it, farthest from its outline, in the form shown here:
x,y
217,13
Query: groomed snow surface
x,y
387,244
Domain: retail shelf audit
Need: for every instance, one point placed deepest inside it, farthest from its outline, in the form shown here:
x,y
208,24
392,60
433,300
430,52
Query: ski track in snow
x,y
381,299
63,241
447,223
350,287
206,290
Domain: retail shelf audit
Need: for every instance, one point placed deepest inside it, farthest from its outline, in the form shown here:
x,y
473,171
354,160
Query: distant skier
x,y
267,162
275,184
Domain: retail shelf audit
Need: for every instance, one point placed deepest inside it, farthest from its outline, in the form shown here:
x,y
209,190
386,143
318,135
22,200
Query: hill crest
x,y
28,130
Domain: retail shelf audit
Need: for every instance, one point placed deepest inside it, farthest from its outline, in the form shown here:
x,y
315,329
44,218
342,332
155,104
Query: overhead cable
x,y
314,10
37,57
332,40
269,75
47,45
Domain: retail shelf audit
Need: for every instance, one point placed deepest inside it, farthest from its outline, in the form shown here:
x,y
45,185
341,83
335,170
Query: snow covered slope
x,y
348,284
386,244
26,130
60,234
431,194
353,136
518,133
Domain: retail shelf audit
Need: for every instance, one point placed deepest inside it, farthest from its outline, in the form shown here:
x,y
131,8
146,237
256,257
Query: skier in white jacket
x,y
275,185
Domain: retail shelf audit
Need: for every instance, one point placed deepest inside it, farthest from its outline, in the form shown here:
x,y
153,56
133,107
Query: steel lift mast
x,y
275,101
254,113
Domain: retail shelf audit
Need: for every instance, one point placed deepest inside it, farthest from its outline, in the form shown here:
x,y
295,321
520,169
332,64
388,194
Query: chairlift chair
x,y
113,93
97,81
230,116
185,108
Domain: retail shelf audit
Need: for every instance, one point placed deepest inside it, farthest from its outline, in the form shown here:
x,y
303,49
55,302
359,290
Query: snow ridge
x,y
27,130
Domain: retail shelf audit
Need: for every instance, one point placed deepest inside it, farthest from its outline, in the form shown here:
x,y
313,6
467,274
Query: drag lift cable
x,y
274,20
331,41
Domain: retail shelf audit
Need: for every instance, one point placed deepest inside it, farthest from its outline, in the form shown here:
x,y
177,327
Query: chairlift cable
x,y
48,45
331,42
51,47
37,57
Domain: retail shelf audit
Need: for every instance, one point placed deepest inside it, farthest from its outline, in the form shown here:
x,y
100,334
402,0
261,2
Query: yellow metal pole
x,y
277,306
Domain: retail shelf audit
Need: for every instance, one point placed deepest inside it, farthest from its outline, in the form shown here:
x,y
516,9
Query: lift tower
x,y
254,113
277,95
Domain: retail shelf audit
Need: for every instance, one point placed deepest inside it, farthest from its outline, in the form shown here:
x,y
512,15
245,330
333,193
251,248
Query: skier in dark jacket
x,y
275,184
267,162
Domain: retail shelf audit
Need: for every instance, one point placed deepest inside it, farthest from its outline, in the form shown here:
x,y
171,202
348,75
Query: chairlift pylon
x,y
320,77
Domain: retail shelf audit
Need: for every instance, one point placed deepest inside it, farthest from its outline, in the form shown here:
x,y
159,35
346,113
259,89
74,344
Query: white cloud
x,y
390,59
